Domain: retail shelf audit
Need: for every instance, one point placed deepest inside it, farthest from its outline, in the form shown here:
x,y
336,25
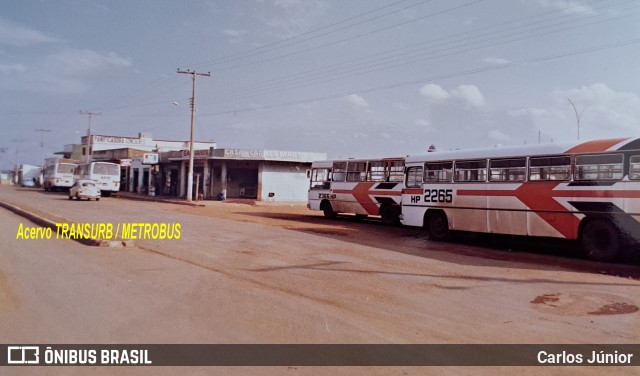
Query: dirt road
x,y
281,274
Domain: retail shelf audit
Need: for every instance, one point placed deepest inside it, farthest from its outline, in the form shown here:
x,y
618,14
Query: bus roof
x,y
594,146
329,163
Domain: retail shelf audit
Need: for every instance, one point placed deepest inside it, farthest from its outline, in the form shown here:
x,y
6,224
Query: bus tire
x,y
437,226
327,209
105,193
390,215
600,240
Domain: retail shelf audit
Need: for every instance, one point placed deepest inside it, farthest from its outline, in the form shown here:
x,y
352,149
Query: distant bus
x,y
357,186
58,173
106,175
29,175
588,191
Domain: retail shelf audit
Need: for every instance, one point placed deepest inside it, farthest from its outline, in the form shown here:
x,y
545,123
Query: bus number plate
x,y
438,195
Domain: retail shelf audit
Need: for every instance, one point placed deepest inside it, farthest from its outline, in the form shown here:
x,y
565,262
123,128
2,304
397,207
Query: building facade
x,y
258,174
159,168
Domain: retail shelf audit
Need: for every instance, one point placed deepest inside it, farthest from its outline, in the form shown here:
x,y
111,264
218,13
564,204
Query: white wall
x,y
288,182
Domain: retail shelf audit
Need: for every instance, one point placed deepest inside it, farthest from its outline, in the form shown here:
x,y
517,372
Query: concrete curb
x,y
160,200
52,225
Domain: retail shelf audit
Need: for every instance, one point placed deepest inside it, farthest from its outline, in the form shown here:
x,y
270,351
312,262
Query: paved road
x,y
226,281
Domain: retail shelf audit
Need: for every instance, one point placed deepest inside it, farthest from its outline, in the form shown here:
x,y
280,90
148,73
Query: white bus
x,y
357,186
106,175
58,173
588,191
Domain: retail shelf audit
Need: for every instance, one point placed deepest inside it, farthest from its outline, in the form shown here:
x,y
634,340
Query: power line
x,y
346,70
432,78
274,46
398,61
368,33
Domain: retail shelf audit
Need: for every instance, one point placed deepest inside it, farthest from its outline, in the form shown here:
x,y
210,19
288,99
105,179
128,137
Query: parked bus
x,y
106,175
587,191
357,186
58,173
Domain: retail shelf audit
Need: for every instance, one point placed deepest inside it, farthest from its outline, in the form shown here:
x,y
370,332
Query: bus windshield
x,y
66,168
106,169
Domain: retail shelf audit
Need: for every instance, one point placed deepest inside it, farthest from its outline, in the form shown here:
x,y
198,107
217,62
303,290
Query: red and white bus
x,y
357,186
589,191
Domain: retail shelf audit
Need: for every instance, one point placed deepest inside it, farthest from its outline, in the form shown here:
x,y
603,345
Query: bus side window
x,y
376,171
634,167
396,171
339,171
471,171
507,169
599,167
356,171
414,177
439,172
550,168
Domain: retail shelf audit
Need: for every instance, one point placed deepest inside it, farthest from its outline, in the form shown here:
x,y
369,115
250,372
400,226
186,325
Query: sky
x,y
348,78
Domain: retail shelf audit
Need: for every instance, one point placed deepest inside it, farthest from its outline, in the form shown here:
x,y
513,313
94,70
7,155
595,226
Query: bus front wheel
x,y
600,240
327,209
438,226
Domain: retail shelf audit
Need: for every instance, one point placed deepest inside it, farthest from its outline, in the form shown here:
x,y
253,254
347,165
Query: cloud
x,y
13,68
85,61
235,36
288,18
523,112
234,33
357,101
497,135
469,93
434,92
568,6
401,106
604,113
496,61
64,72
12,34
424,125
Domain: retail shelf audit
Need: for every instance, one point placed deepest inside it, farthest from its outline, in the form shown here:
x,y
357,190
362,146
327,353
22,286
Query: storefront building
x,y
263,175
160,167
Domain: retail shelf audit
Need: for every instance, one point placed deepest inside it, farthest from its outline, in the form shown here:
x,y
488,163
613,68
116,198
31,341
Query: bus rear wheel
x,y
600,240
390,215
438,226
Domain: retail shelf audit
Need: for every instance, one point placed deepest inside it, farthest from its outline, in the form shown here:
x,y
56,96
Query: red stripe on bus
x,y
539,197
595,146
361,193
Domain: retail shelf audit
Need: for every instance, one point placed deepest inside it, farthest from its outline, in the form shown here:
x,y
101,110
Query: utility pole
x,y
89,146
42,132
193,119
